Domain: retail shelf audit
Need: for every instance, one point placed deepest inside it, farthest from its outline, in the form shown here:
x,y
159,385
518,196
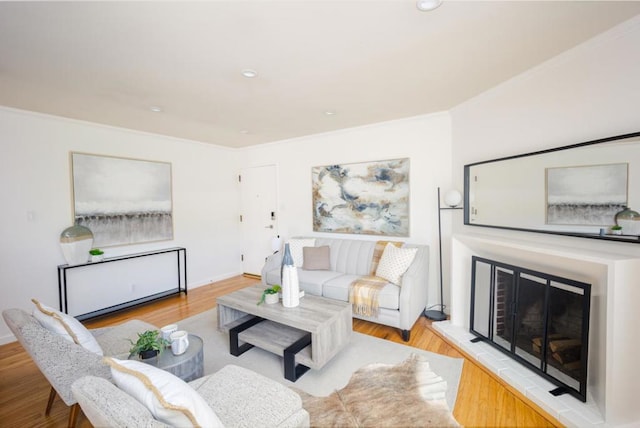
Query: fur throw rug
x,y
380,395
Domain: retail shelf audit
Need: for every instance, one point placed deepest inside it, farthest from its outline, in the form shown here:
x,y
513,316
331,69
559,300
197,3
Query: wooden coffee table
x,y
306,336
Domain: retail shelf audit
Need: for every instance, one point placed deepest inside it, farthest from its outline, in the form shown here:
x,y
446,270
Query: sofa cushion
x,y
316,258
295,247
311,281
395,262
168,398
350,256
66,326
338,289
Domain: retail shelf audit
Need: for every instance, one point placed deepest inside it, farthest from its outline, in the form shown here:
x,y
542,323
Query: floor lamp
x,y
452,198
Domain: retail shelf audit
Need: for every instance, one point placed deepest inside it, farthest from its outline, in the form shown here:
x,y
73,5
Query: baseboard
x,y
7,339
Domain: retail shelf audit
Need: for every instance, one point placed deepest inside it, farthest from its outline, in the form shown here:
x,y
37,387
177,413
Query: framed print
x,y
586,195
122,201
362,198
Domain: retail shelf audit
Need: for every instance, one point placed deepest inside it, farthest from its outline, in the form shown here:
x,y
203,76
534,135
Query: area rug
x,y
360,352
408,394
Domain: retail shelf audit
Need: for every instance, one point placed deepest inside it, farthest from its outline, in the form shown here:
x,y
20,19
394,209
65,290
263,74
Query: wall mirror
x,y
574,190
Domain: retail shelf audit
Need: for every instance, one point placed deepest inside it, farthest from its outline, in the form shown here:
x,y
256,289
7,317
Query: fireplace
x,y
539,319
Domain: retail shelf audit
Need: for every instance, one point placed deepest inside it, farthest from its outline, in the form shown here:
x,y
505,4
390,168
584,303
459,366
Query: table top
x,y
309,315
166,359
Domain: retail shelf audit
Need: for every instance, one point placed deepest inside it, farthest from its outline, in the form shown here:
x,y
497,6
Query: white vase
x,y
75,242
270,299
290,284
97,258
290,287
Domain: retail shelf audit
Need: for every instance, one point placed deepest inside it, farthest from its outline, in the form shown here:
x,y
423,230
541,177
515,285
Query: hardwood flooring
x,y
482,400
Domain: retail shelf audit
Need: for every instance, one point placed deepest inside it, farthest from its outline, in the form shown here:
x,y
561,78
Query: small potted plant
x,y
270,295
149,344
616,230
96,254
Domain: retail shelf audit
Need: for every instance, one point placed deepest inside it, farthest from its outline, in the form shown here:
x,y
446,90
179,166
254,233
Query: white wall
x,y
36,195
425,140
589,92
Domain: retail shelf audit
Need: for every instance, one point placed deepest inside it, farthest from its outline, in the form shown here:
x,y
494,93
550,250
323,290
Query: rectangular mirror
x,y
573,190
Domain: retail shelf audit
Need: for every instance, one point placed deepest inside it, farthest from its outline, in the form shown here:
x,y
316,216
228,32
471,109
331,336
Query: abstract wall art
x,y
586,195
362,198
123,201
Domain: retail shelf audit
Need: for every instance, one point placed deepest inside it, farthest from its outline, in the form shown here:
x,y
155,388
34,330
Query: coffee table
x,y
306,336
187,366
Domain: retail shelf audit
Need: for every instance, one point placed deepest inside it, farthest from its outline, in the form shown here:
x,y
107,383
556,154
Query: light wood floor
x,y
482,401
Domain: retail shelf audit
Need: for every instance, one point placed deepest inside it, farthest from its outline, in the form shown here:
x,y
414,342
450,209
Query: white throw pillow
x,y
395,262
295,247
66,326
170,399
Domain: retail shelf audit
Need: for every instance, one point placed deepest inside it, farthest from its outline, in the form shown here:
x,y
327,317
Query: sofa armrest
x,y
105,405
413,292
273,261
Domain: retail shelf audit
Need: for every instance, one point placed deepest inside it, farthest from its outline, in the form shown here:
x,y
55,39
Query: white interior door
x,y
258,216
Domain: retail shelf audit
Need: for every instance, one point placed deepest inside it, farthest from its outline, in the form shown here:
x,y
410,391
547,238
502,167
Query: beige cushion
x,y
66,326
395,262
295,247
316,258
170,399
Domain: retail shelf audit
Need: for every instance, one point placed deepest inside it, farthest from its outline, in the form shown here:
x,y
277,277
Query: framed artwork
x,y
362,198
122,201
586,195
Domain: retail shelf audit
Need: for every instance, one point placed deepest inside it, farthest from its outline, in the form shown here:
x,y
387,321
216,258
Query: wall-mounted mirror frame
x,y
573,190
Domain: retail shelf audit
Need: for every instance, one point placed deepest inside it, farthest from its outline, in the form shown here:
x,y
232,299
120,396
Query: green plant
x,y
96,252
271,290
616,227
150,340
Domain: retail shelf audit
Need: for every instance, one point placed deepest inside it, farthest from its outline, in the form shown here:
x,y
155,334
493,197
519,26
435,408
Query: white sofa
x,y
400,306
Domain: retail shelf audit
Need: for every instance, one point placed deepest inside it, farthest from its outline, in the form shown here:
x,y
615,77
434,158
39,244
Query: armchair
x,y
62,362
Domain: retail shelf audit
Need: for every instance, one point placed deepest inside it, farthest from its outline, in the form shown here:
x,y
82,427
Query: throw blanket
x,y
364,291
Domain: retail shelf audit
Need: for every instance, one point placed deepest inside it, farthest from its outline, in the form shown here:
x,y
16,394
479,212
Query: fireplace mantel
x,y
614,321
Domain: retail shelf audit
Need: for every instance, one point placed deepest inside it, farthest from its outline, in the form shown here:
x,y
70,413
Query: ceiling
x,y
365,61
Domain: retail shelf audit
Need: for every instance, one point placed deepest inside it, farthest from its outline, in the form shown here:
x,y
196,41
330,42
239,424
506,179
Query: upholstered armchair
x,y
62,361
238,397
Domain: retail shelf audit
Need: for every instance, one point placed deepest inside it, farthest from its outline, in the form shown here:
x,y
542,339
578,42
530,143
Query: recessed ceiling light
x,y
247,72
427,5
329,112
244,131
155,109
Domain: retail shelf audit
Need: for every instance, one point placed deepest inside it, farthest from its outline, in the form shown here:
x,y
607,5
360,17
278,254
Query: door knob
x,y
269,227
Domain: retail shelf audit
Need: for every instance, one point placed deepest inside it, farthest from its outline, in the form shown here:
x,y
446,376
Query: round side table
x,y
188,366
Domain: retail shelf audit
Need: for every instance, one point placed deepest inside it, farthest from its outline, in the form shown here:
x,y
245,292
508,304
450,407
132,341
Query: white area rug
x,y
362,350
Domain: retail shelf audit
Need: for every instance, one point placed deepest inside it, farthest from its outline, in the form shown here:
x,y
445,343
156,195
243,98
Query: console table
x,y
120,282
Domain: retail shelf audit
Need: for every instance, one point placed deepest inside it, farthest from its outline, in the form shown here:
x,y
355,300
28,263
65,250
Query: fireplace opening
x,y
539,319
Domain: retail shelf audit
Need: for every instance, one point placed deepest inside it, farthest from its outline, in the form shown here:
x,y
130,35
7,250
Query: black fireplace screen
x,y
539,319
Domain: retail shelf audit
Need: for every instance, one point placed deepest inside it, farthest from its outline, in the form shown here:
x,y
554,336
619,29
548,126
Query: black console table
x,y
181,260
